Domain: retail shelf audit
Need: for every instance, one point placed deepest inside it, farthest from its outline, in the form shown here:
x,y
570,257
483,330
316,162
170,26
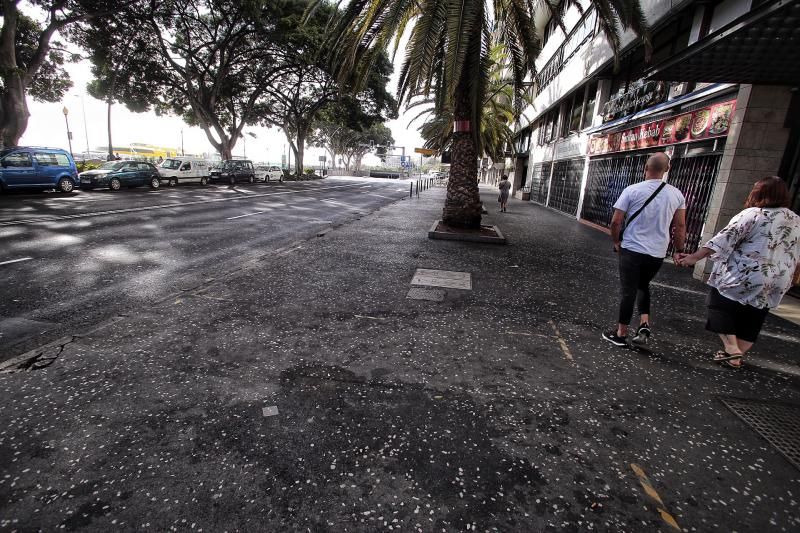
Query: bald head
x,y
657,165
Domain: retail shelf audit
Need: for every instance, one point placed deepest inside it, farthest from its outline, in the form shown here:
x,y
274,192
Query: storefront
x,y
694,137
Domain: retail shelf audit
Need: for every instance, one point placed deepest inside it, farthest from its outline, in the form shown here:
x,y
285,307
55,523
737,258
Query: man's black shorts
x,y
730,317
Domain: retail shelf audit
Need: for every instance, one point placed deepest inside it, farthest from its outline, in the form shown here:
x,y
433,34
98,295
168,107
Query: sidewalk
x,y
306,391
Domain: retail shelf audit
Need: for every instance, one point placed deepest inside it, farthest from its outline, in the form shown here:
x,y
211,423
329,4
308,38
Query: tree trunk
x,y
13,109
110,102
13,106
301,143
462,206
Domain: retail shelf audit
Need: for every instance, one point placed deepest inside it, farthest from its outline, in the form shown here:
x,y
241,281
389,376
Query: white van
x,y
184,169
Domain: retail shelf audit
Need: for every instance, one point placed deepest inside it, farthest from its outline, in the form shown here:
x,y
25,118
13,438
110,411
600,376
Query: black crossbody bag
x,y
638,211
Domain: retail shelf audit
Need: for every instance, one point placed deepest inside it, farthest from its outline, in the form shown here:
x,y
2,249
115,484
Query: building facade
x,y
717,91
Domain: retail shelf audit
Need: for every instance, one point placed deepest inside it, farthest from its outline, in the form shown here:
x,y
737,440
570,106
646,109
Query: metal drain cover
x,y
433,295
779,423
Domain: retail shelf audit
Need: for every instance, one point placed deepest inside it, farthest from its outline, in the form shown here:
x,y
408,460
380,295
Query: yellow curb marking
x,y
561,341
653,495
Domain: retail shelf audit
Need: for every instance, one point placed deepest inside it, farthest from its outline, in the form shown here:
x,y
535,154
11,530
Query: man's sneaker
x,y
613,338
643,334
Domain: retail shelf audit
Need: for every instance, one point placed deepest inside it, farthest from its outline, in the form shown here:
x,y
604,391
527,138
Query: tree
x,y
497,115
350,144
117,47
208,61
31,62
447,60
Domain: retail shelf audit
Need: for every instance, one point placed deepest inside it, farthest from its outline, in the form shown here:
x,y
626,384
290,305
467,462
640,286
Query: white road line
x,y
248,215
366,186
164,206
679,289
15,260
381,196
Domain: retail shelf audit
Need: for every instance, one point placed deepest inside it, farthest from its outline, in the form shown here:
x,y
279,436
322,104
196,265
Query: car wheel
x,y
251,179
233,180
115,184
155,183
172,182
65,185
266,178
204,181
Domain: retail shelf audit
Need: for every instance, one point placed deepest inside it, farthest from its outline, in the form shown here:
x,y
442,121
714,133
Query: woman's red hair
x,y
768,192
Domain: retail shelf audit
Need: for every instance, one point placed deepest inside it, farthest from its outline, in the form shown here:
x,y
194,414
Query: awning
x,y
663,106
761,47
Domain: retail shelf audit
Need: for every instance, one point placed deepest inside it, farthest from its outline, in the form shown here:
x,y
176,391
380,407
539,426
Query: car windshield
x,y
228,165
111,165
171,164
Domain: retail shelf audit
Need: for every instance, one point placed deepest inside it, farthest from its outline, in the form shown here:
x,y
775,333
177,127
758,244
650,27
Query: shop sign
x,y
643,95
705,123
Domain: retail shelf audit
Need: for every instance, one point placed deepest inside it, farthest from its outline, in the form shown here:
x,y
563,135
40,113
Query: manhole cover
x,y
779,423
433,295
442,278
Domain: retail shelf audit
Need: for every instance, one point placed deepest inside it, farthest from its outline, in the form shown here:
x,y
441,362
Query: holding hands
x,y
688,260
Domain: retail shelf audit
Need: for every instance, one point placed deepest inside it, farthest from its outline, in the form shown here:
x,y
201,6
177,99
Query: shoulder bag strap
x,y
650,199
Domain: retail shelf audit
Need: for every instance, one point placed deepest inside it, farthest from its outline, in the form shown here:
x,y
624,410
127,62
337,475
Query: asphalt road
x,y
68,262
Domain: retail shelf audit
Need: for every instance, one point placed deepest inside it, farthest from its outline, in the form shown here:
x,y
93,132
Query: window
x,y
45,160
143,166
576,113
18,159
62,160
186,166
591,100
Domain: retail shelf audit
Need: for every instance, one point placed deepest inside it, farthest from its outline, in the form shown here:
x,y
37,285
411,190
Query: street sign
x,y
425,151
322,158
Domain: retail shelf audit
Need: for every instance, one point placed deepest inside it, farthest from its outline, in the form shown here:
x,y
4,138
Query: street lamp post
x,y
85,127
69,133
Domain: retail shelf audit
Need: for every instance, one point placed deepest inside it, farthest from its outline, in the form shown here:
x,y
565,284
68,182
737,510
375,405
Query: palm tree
x,y
447,60
497,114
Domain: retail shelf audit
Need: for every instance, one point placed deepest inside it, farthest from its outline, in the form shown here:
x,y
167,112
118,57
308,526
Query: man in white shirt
x,y
644,242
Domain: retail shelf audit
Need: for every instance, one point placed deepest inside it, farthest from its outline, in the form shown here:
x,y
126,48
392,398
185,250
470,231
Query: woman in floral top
x,y
755,258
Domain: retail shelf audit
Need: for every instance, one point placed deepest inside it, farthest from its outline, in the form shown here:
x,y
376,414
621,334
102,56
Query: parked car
x,y
118,174
186,169
41,168
269,173
234,170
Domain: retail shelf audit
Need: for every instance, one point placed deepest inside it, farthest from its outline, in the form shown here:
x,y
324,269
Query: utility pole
x,y
182,152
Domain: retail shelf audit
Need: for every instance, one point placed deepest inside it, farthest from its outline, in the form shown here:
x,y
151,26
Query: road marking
x,y
528,334
21,259
166,206
653,495
366,186
680,289
369,317
561,341
248,215
381,196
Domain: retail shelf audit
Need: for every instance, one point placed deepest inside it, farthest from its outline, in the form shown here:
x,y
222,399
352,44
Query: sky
x,y
46,127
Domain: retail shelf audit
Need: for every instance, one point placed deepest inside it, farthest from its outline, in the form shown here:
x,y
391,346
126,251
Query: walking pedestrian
x,y
640,229
504,187
755,257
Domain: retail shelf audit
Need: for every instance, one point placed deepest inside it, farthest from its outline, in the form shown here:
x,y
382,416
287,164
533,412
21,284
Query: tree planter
x,y
487,234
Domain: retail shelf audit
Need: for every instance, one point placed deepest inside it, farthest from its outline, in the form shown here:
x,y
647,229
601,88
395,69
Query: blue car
x,y
27,167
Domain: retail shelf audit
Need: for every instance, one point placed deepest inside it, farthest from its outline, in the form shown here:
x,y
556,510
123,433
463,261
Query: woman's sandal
x,y
725,358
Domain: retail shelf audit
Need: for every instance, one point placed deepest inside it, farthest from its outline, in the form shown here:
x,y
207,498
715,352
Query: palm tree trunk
x,y
462,206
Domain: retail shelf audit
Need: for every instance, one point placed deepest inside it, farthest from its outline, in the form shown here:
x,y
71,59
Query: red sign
x,y
705,123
